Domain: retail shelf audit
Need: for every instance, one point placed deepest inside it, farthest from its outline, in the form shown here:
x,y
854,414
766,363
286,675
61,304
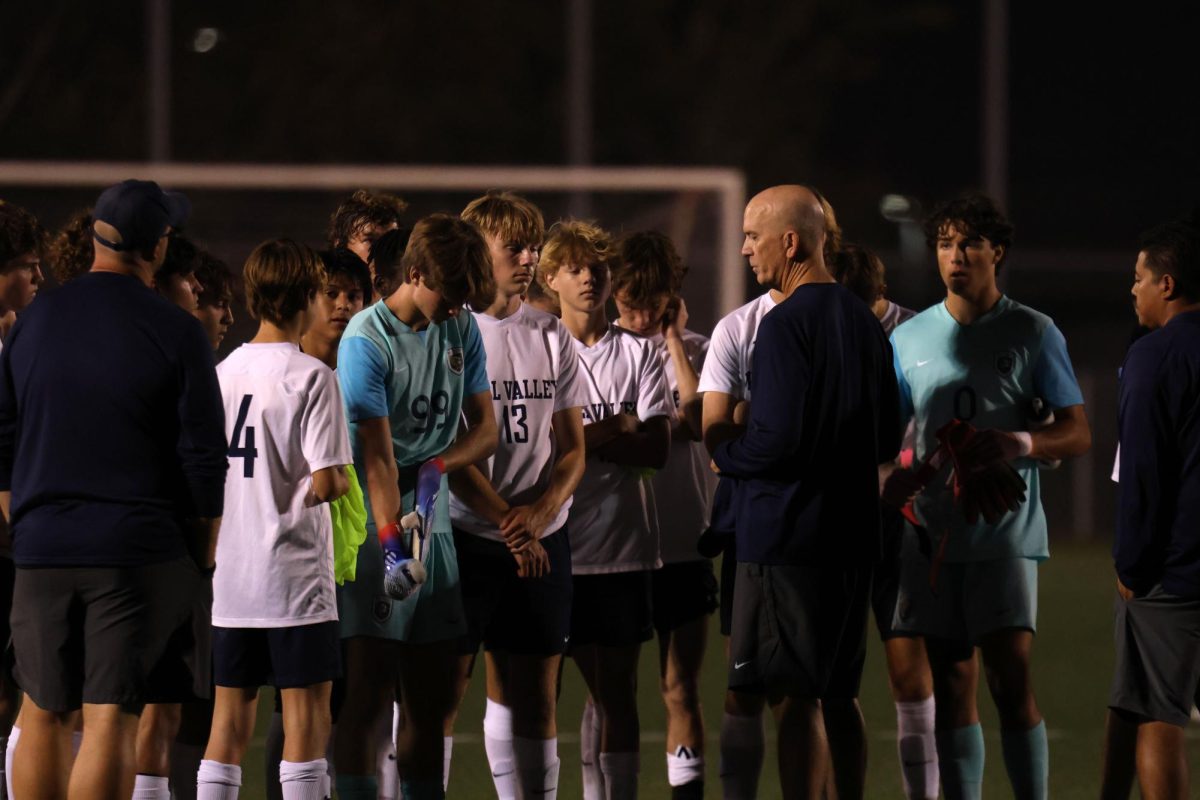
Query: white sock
x,y
620,775
537,766
217,781
498,742
151,787
10,750
385,760
303,780
273,754
447,750
742,750
918,748
684,766
590,729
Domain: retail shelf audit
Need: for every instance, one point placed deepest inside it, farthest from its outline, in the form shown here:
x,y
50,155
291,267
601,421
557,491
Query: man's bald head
x,y
792,207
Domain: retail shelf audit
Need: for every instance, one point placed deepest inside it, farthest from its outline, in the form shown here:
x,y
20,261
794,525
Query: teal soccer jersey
x,y
985,373
416,379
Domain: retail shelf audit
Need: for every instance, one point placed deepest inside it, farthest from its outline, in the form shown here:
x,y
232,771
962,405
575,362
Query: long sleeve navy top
x,y
111,426
824,416
1158,513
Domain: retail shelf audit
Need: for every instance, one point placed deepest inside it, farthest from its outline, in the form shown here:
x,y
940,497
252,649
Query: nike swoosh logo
x,y
923,363
740,664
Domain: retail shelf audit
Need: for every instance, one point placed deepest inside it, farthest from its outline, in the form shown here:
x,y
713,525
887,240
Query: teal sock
x,y
960,762
429,789
1027,759
356,787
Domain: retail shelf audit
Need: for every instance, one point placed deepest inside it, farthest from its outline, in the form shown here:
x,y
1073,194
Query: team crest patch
x,y
381,609
1005,363
454,360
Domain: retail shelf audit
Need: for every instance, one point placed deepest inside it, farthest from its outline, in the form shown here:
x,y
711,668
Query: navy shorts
x,y
612,610
682,593
508,613
289,658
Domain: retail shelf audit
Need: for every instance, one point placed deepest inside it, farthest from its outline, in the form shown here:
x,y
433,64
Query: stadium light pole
x,y
578,122
993,133
158,79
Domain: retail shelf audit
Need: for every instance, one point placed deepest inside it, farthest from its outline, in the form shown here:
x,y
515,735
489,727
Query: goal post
x,y
728,185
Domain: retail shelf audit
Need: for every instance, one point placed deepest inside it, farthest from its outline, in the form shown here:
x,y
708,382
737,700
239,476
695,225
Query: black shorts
x,y
885,582
682,593
289,658
612,610
799,630
184,673
507,613
8,576
728,581
1157,669
94,634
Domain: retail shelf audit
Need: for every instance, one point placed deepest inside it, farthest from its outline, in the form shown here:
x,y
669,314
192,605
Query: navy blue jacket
x,y
111,426
823,417
1158,513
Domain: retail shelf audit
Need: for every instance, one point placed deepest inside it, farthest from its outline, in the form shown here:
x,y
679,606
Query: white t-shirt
x,y
727,366
894,315
534,371
284,421
613,523
683,490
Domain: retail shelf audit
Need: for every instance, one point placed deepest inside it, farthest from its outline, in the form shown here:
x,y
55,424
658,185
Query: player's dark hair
x,y
216,280
451,256
182,258
386,255
361,209
72,250
859,270
282,277
20,233
972,215
1173,248
507,216
647,266
342,263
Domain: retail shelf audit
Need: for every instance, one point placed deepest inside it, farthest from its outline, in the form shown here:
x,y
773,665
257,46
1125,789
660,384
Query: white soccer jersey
x,y
534,372
727,366
284,421
683,490
895,315
613,523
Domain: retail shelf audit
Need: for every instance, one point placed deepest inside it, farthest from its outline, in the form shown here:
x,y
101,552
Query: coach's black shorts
x,y
885,581
8,576
796,628
288,658
184,673
612,610
682,593
1157,670
507,613
94,634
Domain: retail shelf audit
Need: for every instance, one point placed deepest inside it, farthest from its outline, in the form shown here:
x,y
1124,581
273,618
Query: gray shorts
x,y
96,634
971,599
1157,670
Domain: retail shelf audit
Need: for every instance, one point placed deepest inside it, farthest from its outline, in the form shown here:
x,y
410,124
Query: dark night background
x,y
858,98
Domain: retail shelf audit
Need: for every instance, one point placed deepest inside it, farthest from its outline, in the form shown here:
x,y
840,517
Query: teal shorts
x,y
433,614
971,599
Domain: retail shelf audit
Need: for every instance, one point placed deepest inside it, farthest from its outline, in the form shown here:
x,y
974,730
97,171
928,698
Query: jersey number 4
x,y
246,451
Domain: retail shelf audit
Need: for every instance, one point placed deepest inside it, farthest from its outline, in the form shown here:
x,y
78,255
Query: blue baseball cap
x,y
139,212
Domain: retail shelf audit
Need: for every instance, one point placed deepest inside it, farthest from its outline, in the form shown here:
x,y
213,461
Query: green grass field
x,y
1072,668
